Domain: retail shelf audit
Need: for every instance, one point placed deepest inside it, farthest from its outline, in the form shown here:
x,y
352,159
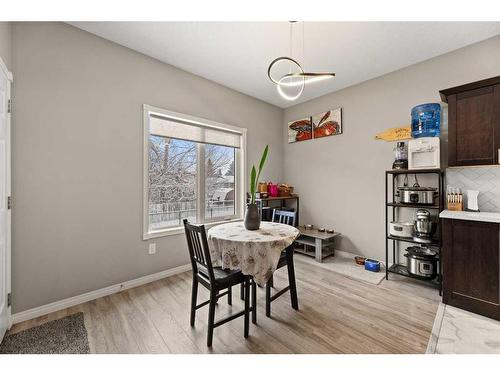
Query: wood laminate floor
x,y
336,315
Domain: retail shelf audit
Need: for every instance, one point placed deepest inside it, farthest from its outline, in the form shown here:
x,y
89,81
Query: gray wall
x,y
6,43
77,152
341,178
77,158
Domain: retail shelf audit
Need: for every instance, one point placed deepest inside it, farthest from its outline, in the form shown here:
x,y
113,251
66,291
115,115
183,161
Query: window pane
x,y
219,181
172,181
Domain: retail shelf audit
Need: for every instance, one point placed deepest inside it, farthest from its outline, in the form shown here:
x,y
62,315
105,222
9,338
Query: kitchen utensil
x,y
424,227
424,153
421,262
401,229
372,265
454,199
424,231
472,204
401,156
359,260
416,194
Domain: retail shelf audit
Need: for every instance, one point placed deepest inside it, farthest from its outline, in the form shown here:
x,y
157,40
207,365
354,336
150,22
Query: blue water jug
x,y
426,120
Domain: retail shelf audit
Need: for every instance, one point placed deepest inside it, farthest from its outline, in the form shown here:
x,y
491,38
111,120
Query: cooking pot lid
x,y
421,251
418,188
402,223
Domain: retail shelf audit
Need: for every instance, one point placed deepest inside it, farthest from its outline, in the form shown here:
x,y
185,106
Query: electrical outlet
x,y
152,248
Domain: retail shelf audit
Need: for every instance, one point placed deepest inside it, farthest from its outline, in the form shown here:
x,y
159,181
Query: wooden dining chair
x,y
286,259
284,217
215,279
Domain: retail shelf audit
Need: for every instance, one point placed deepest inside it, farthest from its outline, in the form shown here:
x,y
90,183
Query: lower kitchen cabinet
x,y
471,266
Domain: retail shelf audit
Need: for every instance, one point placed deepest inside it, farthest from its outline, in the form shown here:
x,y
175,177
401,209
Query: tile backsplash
x,y
484,179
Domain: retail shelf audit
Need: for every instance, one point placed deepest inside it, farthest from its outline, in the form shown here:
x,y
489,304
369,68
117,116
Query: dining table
x,y
254,252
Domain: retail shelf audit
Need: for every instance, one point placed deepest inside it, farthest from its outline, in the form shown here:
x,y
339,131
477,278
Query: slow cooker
x,y
421,262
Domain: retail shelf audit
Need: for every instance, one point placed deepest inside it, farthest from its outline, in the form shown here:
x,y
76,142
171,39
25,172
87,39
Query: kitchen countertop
x,y
490,217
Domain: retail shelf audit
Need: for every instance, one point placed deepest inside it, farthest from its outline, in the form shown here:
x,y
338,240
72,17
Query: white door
x,y
4,196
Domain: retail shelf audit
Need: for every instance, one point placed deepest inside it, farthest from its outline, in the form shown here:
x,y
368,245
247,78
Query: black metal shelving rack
x,y
393,206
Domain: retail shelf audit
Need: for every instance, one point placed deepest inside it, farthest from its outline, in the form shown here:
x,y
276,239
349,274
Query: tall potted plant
x,y
252,217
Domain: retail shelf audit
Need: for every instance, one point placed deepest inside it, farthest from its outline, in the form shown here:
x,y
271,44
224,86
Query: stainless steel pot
x,y
417,195
421,262
425,228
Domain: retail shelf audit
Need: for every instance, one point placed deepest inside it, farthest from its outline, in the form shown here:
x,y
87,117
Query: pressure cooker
x,y
421,262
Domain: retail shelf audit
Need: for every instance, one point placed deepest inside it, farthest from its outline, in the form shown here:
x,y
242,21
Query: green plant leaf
x,y
252,184
261,165
263,158
254,175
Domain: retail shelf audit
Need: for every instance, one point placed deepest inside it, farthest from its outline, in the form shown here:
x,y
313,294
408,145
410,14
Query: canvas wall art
x,y
300,130
327,123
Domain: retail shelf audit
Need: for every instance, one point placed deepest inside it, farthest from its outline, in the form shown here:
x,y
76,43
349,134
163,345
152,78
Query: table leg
x,y
318,248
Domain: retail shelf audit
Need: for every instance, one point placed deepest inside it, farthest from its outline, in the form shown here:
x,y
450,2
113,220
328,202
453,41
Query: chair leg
x,y
268,297
291,278
211,316
230,296
254,302
194,295
247,308
242,291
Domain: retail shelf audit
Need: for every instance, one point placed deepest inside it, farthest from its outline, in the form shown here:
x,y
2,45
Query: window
x,y
192,169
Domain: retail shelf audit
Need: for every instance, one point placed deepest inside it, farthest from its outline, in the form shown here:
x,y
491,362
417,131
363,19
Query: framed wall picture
x,y
300,130
327,123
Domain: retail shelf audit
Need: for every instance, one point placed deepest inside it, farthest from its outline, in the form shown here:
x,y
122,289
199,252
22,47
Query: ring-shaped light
x,y
306,77
280,82
285,95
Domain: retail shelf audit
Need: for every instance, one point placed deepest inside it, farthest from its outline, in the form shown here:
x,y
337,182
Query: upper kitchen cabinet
x,y
473,122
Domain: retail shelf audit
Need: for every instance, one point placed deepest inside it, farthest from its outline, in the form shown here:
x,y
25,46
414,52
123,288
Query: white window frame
x,y
239,178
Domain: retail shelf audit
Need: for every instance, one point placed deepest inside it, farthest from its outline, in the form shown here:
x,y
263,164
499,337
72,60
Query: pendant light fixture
x,y
297,78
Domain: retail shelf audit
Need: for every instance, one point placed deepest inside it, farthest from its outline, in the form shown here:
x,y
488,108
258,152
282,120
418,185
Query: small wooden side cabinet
x,y
471,266
321,242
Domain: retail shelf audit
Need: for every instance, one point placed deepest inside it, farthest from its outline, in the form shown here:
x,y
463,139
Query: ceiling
x,y
237,54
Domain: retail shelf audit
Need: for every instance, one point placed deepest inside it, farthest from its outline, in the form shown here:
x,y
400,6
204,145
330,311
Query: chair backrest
x,y
284,217
199,251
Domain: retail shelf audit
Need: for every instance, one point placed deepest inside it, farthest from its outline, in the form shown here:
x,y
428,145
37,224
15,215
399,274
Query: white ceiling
x,y
237,54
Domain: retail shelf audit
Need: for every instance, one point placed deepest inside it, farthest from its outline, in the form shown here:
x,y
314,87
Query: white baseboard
x,y
76,300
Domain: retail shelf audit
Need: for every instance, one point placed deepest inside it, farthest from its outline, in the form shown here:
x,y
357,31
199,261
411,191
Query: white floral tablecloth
x,y
254,252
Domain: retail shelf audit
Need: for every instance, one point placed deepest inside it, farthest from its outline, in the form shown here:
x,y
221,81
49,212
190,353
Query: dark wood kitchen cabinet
x,y
473,122
471,266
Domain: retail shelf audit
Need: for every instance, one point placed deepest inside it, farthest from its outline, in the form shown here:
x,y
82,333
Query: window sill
x,y
180,229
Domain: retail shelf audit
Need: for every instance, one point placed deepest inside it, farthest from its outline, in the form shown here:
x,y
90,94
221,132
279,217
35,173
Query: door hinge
x,y
9,106
9,299
9,203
